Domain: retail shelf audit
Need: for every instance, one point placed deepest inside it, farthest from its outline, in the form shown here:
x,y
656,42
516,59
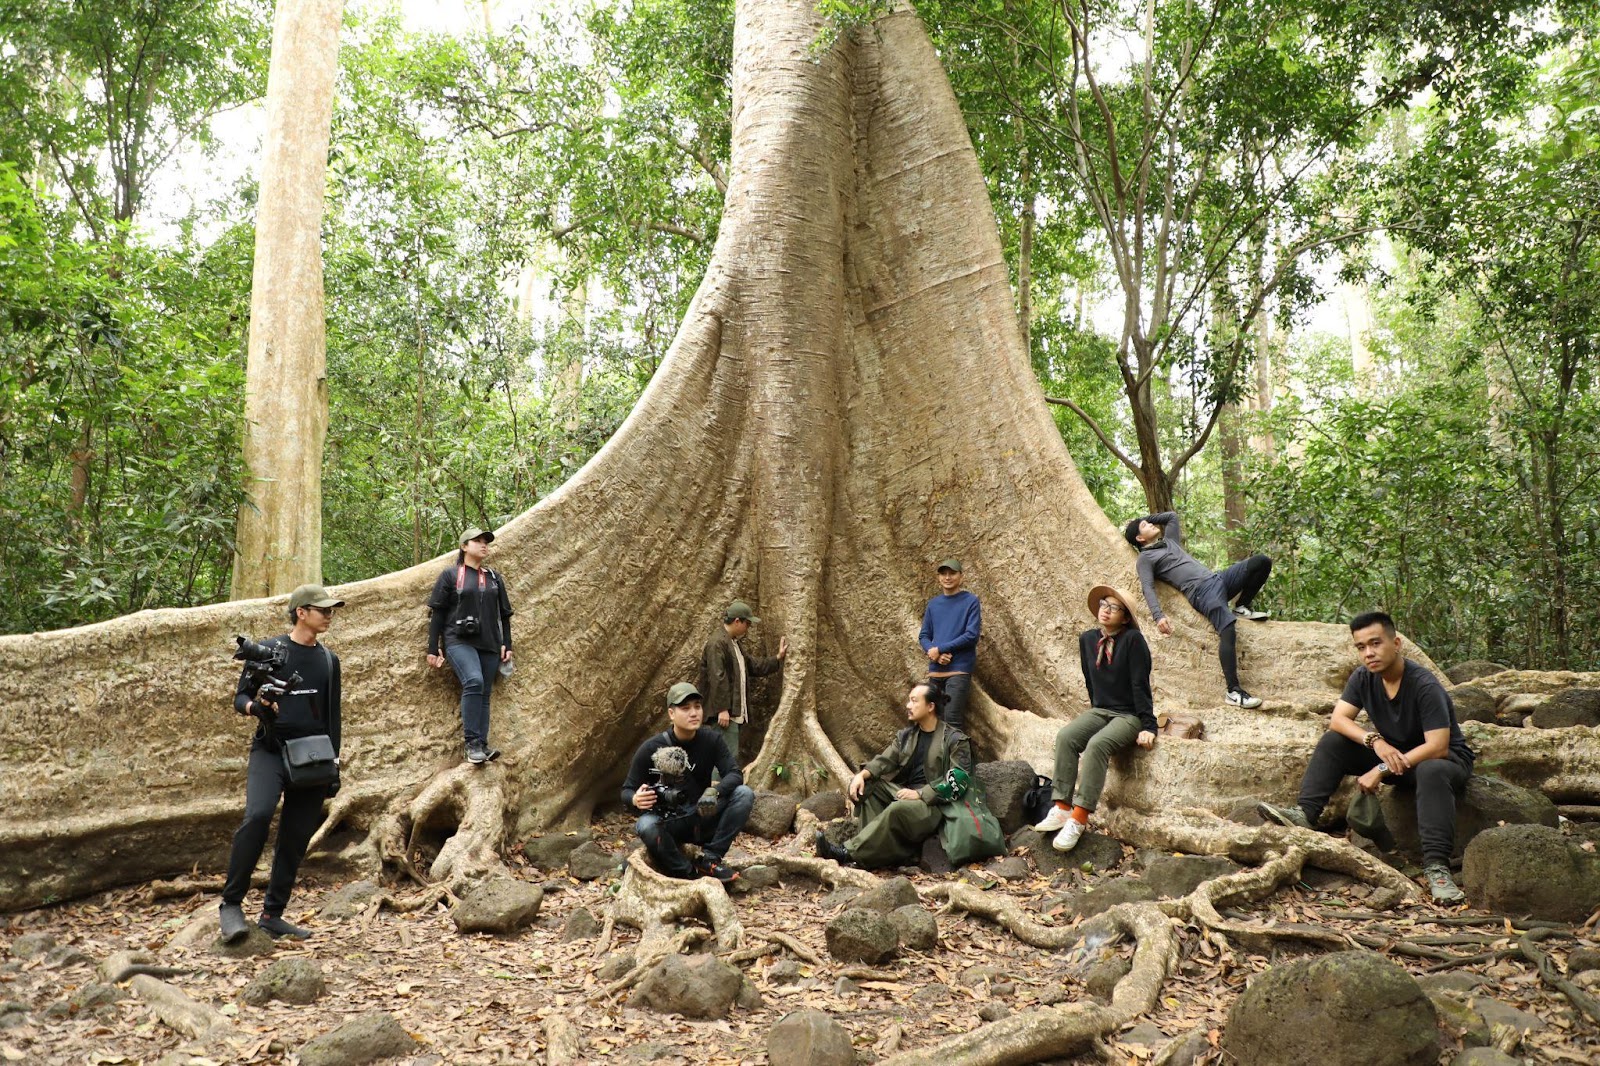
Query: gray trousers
x,y
892,830
1084,748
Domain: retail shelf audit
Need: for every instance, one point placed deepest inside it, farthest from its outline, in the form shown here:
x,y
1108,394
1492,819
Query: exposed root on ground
x,y
654,903
469,803
769,941
1580,999
826,871
1253,884
1002,910
431,896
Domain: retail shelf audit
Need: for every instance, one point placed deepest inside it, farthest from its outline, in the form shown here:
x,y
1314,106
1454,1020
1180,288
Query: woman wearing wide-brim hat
x,y
470,625
1116,671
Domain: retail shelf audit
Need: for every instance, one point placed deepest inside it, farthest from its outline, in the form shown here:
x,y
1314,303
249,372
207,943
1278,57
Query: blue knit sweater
x,y
953,624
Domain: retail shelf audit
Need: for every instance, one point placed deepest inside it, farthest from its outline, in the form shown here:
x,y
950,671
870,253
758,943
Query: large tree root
x,y
466,802
654,903
826,871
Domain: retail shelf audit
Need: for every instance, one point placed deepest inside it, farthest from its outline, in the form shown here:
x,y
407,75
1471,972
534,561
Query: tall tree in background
x,y
279,539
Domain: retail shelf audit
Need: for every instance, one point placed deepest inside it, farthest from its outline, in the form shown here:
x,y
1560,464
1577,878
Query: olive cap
x,y
312,596
951,564
473,533
681,693
740,609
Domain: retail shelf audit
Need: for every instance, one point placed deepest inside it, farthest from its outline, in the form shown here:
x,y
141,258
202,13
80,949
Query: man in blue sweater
x,y
951,625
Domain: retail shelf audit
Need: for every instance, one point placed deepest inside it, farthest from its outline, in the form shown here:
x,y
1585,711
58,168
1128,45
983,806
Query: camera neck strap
x,y
461,577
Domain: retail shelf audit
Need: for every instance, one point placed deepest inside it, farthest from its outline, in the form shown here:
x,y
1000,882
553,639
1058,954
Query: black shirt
x,y
1421,704
469,592
707,752
917,771
1123,685
308,708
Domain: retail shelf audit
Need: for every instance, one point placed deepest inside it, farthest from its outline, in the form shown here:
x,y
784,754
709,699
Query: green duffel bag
x,y
970,831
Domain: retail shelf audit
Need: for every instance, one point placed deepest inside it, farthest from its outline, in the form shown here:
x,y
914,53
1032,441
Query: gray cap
x,y
740,609
951,564
473,533
682,692
312,596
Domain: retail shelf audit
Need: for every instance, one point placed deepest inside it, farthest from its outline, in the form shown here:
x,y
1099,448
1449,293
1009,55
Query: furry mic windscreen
x,y
671,761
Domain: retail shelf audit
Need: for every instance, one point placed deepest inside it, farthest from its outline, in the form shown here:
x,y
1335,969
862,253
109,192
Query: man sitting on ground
x,y
1415,741
1159,538
894,794
669,781
1116,671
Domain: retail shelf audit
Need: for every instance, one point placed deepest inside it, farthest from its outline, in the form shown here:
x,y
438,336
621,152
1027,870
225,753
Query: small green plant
x,y
780,771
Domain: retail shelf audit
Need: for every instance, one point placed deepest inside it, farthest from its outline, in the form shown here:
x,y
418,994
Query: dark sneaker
x,y
1250,614
234,926
275,926
477,754
1293,817
1240,698
491,754
706,866
1442,885
827,849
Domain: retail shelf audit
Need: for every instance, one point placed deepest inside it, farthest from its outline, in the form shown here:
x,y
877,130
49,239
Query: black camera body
x,y
468,627
265,665
670,797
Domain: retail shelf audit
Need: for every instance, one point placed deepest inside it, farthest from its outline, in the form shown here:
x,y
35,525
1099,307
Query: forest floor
x,y
481,999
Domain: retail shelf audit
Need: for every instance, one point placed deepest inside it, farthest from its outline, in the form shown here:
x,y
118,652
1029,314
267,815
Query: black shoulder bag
x,y
311,761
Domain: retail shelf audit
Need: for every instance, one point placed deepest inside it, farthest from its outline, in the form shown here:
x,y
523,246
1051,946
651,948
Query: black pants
x,y
664,836
302,813
955,689
1436,782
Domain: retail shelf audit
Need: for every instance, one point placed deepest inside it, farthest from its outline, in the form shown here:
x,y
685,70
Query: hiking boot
x,y
1293,817
1250,614
234,926
1069,836
1058,817
708,866
827,849
1240,698
1441,884
274,926
477,754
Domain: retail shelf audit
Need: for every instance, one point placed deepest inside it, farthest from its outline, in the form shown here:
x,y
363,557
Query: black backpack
x,y
1037,801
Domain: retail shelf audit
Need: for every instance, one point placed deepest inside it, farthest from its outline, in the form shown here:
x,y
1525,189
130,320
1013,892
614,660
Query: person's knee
x,y
741,799
648,827
1433,774
257,819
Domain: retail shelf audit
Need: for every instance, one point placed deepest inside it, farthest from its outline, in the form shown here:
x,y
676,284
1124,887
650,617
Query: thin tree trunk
x,y
286,391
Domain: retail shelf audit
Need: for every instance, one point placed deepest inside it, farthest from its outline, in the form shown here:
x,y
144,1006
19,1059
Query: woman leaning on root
x,y
470,625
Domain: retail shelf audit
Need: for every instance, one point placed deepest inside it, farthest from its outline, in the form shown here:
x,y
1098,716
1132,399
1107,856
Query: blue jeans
x,y
664,837
477,671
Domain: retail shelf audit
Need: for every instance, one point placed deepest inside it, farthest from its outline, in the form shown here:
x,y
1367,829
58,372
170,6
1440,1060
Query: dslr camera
x,y
265,665
468,627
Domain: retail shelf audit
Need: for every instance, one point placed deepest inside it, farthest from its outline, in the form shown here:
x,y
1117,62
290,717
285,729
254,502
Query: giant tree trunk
x,y
847,402
279,532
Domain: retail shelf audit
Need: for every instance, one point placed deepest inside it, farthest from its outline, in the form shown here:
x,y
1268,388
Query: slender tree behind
x,y
286,389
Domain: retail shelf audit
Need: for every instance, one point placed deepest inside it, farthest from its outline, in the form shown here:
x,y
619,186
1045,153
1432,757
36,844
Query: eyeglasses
x,y
1116,605
326,612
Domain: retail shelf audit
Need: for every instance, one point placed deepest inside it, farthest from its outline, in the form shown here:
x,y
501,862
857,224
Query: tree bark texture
x,y
279,531
848,402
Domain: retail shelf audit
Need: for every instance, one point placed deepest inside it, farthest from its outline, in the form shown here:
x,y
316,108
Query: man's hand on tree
x,y
1145,739
1165,625
723,718
783,648
644,797
858,785
1369,781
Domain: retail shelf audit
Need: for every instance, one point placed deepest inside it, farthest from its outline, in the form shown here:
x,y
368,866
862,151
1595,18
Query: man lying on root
x,y
669,783
894,794
1415,742
1116,671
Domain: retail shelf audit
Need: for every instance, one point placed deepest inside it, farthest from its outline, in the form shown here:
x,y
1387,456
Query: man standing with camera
x,y
307,706
669,783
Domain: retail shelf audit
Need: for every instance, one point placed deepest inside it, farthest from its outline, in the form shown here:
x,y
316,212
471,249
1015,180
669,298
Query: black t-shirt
x,y
311,706
469,592
707,751
917,771
1421,704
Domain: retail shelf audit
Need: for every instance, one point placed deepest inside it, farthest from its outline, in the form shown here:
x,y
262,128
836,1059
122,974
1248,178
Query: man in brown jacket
x,y
894,795
725,672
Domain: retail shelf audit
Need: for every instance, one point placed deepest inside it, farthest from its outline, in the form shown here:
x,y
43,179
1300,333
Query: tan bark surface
x,y
279,532
847,402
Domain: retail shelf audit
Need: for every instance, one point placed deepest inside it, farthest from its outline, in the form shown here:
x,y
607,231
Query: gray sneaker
x,y
1293,817
1442,885
477,755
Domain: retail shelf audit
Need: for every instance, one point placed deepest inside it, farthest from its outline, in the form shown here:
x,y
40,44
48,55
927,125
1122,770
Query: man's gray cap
x,y
740,609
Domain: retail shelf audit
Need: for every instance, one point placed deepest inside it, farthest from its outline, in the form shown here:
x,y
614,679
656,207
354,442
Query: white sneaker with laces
x,y
1240,698
1067,839
1057,818
1250,614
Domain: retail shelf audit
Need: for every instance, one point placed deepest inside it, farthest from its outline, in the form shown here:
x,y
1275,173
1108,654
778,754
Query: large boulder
x,y
1349,1008
1531,870
1575,706
550,851
349,901
891,894
1004,784
695,986
858,935
1483,804
1095,851
500,905
827,806
293,980
917,928
772,816
1473,703
809,1038
366,1038
590,862
1473,669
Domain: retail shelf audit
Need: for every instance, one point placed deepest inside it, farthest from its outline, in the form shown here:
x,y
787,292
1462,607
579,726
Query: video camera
x,y
669,769
264,664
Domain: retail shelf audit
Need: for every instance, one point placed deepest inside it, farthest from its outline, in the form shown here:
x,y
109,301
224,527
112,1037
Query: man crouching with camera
x,y
669,782
290,684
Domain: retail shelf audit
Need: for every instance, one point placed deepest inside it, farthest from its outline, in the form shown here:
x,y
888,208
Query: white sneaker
x,y
1067,839
1057,818
1240,698
1250,614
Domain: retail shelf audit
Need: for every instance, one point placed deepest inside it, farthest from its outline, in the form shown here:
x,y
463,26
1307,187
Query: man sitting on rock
x,y
1416,741
894,794
669,781
1116,671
